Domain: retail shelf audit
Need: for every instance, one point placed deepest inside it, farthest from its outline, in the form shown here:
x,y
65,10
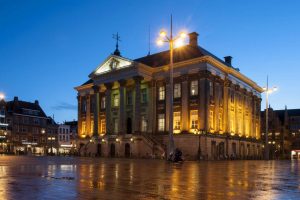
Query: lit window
x,y
176,120
103,126
211,119
144,95
194,88
194,119
103,103
129,98
177,90
92,126
83,127
144,124
116,125
161,122
116,100
161,93
220,121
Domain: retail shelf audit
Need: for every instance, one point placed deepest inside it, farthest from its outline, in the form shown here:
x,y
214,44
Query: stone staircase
x,y
158,149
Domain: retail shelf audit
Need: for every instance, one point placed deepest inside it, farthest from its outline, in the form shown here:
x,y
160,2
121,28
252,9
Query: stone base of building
x,y
193,147
216,147
128,146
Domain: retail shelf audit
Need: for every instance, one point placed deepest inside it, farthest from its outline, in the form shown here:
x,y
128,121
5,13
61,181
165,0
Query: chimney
x,y
228,60
193,39
36,102
16,99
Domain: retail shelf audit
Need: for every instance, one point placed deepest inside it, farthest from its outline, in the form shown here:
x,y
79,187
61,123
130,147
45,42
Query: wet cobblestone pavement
x,y
98,178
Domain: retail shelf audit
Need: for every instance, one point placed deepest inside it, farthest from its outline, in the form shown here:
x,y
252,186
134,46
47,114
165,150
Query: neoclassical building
x,y
123,107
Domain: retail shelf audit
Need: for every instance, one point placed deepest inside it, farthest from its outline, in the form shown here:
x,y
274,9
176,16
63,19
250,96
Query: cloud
x,y
65,106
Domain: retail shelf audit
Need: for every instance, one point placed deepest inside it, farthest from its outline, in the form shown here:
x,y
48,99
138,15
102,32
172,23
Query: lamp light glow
x,y
183,35
163,33
178,42
2,96
159,42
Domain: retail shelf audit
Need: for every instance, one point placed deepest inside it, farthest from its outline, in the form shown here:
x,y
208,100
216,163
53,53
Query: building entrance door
x,y
127,150
129,126
99,150
112,150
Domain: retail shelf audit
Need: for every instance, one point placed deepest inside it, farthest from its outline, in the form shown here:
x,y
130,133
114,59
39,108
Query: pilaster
x,y
108,108
137,104
122,117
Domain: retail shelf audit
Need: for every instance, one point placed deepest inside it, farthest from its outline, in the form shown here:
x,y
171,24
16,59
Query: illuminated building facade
x,y
31,131
284,133
122,109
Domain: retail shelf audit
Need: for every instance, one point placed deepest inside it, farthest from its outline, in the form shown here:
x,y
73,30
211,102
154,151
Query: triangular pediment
x,y
112,63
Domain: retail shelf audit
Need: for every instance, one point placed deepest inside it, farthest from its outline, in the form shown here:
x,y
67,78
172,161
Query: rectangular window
x,y
103,102
92,126
144,124
220,121
129,98
144,95
211,89
194,119
161,122
176,121
211,119
103,126
83,105
231,122
116,100
161,93
92,103
194,88
177,90
116,125
231,97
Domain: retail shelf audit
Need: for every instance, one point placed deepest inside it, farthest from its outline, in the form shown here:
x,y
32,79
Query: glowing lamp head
x,y
2,96
178,42
183,35
159,42
162,34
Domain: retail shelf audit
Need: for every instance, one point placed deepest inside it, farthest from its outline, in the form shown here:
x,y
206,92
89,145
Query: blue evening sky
x,y
47,47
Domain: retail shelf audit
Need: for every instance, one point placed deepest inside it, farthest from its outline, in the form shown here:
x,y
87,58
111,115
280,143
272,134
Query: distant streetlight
x,y
177,41
2,96
267,91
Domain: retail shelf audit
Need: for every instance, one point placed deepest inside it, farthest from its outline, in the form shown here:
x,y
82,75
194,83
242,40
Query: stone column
x,y
108,108
88,115
151,110
226,106
202,101
122,115
185,103
79,114
137,104
96,109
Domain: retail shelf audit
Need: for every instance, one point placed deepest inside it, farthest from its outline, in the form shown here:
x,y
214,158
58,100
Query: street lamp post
x,y
179,41
267,91
199,133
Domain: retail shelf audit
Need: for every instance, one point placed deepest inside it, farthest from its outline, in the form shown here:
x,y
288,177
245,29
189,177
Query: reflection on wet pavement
x,y
99,178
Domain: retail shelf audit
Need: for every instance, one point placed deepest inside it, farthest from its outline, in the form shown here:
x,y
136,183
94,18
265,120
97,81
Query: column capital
x,y
184,77
95,88
122,82
151,83
227,83
138,79
108,85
